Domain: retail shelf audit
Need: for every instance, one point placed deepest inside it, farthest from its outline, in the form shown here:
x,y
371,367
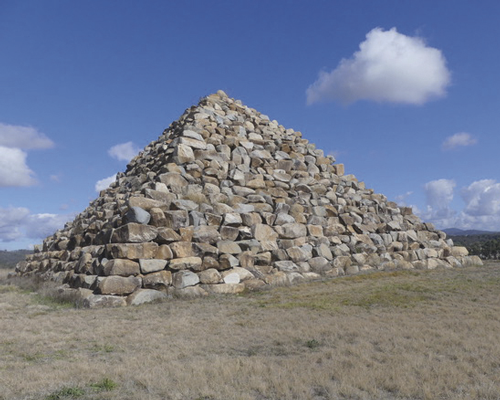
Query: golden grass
x,y
396,335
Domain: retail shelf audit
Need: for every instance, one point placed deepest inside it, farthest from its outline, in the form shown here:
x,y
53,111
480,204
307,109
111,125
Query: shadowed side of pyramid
x,y
227,200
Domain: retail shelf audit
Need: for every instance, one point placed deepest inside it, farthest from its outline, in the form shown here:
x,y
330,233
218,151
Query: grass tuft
x,y
66,393
105,385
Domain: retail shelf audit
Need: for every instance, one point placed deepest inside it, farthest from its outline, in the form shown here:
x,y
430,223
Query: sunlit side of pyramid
x,y
227,200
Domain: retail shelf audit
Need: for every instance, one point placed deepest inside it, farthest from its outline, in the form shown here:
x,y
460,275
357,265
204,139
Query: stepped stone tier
x,y
227,200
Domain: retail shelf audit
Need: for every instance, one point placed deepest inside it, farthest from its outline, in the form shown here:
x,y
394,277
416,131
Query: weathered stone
x,y
232,219
104,301
295,277
185,263
263,232
254,284
167,235
291,230
183,279
132,251
210,275
458,251
182,249
144,203
164,252
205,249
225,288
228,247
351,269
319,264
148,266
159,280
286,265
188,292
230,276
176,219
142,296
134,233
298,254
119,285
230,233
138,215
157,217
277,279
227,261
206,234
173,180
243,273
121,267
184,154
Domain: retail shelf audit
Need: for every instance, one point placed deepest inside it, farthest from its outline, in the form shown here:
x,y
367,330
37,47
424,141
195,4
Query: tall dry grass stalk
x,y
400,335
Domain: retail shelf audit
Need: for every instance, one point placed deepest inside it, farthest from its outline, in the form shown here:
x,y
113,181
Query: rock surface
x,y
227,200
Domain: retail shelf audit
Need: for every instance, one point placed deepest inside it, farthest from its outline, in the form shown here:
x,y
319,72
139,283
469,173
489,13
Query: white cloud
x,y
481,209
13,168
12,219
18,225
439,193
104,183
389,67
461,139
124,151
39,226
23,137
401,199
482,198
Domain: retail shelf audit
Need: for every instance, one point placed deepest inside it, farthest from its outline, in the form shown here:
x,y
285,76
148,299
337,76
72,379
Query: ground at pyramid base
x,y
227,200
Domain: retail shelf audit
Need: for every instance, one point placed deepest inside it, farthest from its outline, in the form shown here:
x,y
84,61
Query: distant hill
x,y
462,232
9,259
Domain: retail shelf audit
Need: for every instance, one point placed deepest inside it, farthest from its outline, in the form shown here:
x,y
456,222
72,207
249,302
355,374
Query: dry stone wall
x,y
227,200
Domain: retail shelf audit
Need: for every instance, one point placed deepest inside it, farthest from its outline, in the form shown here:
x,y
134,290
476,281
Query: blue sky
x,y
404,93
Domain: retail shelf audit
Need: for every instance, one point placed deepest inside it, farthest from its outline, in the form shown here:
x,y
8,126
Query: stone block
x,y
225,288
184,279
138,215
182,249
159,280
134,233
210,275
142,296
122,267
228,247
132,251
103,301
147,265
119,285
206,234
194,263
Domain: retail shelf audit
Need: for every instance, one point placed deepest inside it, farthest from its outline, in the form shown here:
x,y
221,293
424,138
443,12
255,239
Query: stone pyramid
x,y
227,200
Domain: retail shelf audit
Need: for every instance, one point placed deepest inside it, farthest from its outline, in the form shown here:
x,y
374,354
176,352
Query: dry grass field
x,y
393,335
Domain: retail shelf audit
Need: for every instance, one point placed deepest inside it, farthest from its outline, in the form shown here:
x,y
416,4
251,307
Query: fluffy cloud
x,y
482,198
439,193
40,226
124,151
461,139
23,137
104,183
481,209
389,67
18,224
13,141
12,219
13,168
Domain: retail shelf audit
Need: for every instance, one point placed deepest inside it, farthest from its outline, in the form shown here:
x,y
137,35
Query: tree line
x,y
486,246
